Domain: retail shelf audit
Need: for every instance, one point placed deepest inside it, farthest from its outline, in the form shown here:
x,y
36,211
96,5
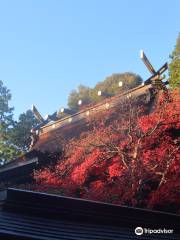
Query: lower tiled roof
x,y
44,228
30,215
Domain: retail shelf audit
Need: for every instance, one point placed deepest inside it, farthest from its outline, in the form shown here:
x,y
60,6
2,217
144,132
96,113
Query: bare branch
x,y
168,164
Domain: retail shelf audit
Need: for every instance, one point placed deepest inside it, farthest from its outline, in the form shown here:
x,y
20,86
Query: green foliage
x,y
14,135
7,149
174,66
83,93
176,51
109,87
20,134
111,84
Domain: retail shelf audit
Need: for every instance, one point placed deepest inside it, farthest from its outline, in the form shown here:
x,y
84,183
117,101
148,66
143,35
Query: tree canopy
x,y
128,157
108,87
83,93
14,135
174,66
7,149
21,132
111,84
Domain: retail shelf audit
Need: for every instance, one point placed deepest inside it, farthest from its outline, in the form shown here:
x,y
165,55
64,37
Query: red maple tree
x,y
129,157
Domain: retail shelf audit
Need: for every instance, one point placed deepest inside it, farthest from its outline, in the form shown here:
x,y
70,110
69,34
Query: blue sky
x,y
48,48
